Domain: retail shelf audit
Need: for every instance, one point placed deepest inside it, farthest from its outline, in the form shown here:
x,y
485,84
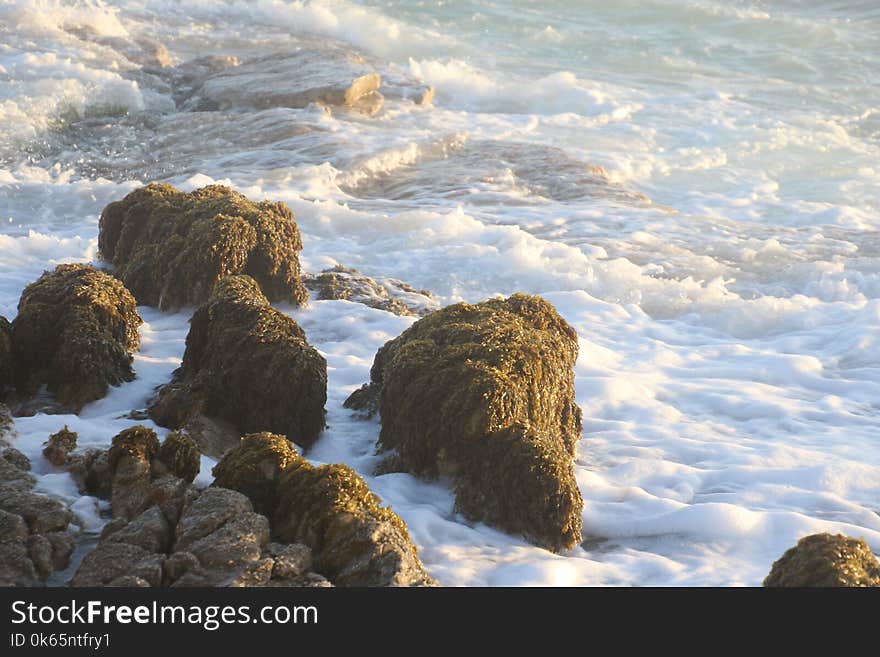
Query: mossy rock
x,y
75,331
59,445
170,248
356,541
253,468
180,454
484,393
137,442
248,364
825,560
7,379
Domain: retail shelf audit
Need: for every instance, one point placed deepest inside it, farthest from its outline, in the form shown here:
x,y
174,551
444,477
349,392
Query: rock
x,y
109,563
249,364
253,468
177,565
207,513
14,475
41,512
91,470
40,552
7,378
63,545
485,394
180,454
364,400
290,561
308,580
171,248
170,494
226,538
336,77
16,567
15,458
387,294
130,470
823,560
75,331
150,531
59,446
355,541
6,423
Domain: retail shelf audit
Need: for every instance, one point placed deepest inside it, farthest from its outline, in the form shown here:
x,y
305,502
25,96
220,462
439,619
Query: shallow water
x,y
693,184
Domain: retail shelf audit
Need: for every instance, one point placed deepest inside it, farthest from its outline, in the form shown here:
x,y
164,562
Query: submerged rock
x,y
387,294
333,77
825,560
59,445
75,331
253,468
171,248
485,394
249,364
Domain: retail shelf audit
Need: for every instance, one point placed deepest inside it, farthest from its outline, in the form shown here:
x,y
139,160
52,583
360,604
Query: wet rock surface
x,y
169,533
248,364
330,509
59,445
387,294
485,394
826,560
34,537
75,332
170,248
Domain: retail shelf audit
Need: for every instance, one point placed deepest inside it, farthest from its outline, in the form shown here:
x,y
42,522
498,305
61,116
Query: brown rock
x,y
825,560
129,460
59,446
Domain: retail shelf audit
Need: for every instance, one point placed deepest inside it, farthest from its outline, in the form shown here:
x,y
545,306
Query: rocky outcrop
x,y
485,394
336,78
248,364
34,538
171,248
59,446
254,467
166,532
355,541
387,294
129,460
826,560
75,331
7,378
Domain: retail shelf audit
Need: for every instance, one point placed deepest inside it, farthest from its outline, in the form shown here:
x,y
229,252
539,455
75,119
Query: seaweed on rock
x,y
248,364
485,394
75,331
170,248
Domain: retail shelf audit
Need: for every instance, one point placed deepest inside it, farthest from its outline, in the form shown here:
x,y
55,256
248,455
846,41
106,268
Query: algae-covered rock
x,y
356,542
825,560
249,364
59,445
180,454
253,468
130,470
75,331
485,394
170,248
7,378
387,294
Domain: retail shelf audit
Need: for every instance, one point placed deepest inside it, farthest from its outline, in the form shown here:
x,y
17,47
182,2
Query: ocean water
x,y
695,185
